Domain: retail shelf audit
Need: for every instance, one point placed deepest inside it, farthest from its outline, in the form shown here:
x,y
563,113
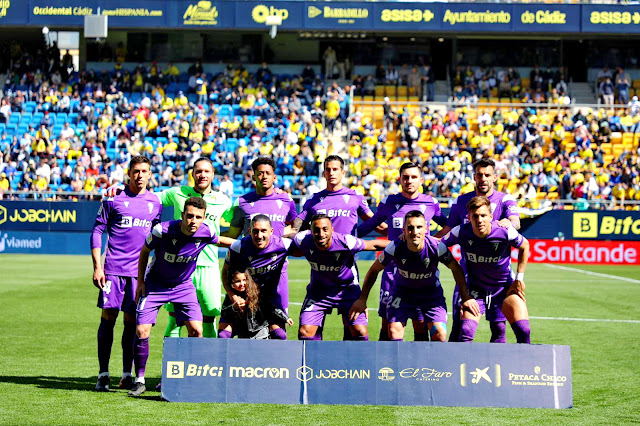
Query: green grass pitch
x,y
48,362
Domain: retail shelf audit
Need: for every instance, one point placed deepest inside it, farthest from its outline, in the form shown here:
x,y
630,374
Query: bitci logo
x,y
175,369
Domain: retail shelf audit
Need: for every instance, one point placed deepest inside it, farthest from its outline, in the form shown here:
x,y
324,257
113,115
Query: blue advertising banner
x,y
48,216
18,242
592,225
373,373
330,15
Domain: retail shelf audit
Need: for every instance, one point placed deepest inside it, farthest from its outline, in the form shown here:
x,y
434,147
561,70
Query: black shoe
x,y
137,389
126,382
103,384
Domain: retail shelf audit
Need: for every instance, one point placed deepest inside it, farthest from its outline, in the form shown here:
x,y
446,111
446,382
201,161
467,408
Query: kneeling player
x,y
487,248
177,245
333,281
415,291
251,321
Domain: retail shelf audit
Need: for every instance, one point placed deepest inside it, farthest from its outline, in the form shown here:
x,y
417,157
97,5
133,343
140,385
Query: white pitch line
x,y
541,318
597,274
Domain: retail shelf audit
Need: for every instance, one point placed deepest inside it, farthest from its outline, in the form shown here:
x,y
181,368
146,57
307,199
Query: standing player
x,y
334,282
486,247
392,210
343,206
127,218
278,206
415,291
505,209
206,278
177,245
265,256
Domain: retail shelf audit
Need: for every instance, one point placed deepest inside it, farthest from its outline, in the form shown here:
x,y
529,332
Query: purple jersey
x,y
416,274
267,265
502,206
332,269
343,206
279,207
488,259
127,218
175,254
393,209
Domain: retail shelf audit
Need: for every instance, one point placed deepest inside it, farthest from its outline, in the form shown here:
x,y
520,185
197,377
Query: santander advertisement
x,y
582,252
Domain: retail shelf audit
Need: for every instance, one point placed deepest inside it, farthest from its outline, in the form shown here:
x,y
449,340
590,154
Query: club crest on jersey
x,y
274,257
426,262
197,243
321,199
495,246
346,198
279,203
126,204
404,261
150,205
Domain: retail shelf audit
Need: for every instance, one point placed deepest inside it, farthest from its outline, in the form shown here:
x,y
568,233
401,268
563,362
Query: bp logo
x,y
304,374
3,215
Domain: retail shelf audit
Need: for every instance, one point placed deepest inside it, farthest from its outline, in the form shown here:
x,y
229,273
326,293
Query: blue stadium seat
x,y
74,105
3,128
11,129
26,117
22,129
100,106
30,106
162,140
61,117
72,117
14,119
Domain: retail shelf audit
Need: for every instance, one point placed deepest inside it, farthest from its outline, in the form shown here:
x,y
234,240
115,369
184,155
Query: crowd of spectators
x,y
540,86
76,133
540,154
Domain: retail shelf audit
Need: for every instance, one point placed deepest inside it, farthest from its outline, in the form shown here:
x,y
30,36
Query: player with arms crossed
x,y
176,245
415,291
505,209
486,247
278,206
206,278
265,256
334,282
392,210
127,218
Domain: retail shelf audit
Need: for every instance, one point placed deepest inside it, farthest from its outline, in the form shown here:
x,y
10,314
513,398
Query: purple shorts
x,y
316,306
401,308
119,293
489,300
183,296
385,284
279,297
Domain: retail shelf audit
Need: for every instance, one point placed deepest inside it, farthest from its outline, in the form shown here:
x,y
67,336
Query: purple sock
x,y
361,338
278,334
224,334
498,331
319,332
421,337
384,335
141,355
128,339
395,340
454,336
468,330
316,337
522,330
105,341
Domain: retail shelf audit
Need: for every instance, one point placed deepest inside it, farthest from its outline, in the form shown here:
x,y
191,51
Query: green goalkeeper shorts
x,y
206,280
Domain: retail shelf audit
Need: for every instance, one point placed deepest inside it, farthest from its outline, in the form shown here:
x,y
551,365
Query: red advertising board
x,y
579,252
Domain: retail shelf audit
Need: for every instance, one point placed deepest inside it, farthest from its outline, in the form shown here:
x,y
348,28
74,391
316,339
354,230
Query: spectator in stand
x,y
623,82
606,91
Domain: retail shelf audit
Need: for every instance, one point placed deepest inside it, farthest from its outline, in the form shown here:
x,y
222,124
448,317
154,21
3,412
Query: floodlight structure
x,y
96,26
273,21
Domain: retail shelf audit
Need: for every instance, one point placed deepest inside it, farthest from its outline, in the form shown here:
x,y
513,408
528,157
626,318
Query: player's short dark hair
x,y
263,160
260,218
138,159
484,162
476,202
206,159
409,165
319,216
412,214
196,202
333,158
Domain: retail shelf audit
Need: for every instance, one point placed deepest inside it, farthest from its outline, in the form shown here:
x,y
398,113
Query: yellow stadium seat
x,y
505,100
390,91
616,138
552,195
402,91
525,81
379,91
608,159
627,138
414,99
606,148
636,84
368,98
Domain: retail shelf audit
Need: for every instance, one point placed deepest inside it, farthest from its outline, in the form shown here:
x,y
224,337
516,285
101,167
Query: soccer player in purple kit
x,y
505,209
486,247
264,200
265,256
333,282
176,245
415,291
127,219
392,210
